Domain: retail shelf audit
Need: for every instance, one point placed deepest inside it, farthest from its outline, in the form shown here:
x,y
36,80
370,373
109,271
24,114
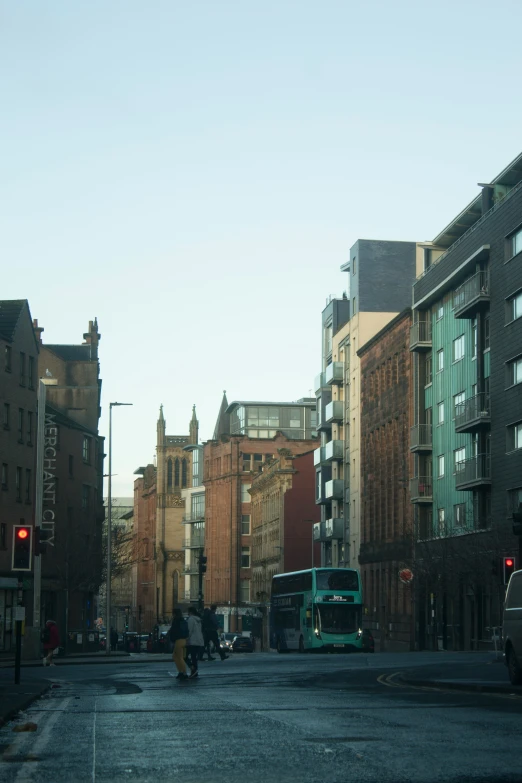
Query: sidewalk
x,y
77,659
14,698
488,677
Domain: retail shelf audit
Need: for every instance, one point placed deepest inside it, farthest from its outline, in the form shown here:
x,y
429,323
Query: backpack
x,y
46,634
183,629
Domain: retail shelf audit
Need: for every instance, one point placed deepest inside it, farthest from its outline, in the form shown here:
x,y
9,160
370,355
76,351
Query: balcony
x,y
421,489
323,399
334,449
473,414
421,438
334,373
193,568
472,296
320,531
195,542
189,519
420,336
334,528
473,473
334,489
320,382
334,412
319,456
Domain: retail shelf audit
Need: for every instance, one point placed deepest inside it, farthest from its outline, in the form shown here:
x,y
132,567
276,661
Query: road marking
x,y
94,740
28,772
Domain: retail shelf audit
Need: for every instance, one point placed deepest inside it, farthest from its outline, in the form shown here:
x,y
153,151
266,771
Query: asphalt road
x,y
264,718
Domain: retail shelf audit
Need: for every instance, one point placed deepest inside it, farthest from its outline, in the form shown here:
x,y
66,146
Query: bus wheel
x,y
301,645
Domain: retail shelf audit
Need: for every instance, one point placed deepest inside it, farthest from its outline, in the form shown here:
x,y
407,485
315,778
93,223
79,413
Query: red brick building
x,y
145,609
386,514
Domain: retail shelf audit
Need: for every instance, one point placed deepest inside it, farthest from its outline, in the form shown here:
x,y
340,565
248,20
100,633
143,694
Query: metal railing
x,y
474,470
477,408
420,332
421,436
421,487
473,288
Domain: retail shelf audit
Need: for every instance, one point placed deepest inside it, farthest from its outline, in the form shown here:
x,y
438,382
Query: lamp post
x,y
109,533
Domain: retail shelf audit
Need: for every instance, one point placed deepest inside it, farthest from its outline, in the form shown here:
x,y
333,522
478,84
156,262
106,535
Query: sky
x,y
193,174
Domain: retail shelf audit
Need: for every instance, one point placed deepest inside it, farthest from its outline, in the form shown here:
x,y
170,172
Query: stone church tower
x,y
174,473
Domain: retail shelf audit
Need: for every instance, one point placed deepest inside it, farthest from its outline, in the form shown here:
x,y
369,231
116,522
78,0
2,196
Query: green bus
x,y
317,609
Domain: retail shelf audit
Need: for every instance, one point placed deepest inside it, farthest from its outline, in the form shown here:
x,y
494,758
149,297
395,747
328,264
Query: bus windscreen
x,y
337,580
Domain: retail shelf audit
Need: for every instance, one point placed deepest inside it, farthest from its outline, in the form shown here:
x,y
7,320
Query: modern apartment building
x,y
194,521
246,436
380,276
467,438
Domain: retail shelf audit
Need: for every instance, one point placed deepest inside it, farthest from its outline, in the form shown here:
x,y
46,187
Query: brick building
x,y
18,383
144,572
283,514
386,514
247,435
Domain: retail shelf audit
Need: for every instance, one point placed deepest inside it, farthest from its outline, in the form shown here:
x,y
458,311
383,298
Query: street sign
x,y
406,575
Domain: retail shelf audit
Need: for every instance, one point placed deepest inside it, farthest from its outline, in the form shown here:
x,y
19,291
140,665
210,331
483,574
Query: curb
x,y
23,704
465,687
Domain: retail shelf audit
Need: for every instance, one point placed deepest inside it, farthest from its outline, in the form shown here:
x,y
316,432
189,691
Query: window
x,y
458,399
86,497
22,368
197,506
71,466
258,463
459,514
428,369
515,372
353,306
459,455
8,358
5,476
354,265
20,425
295,417
245,591
3,534
86,450
486,332
18,484
514,307
183,472
440,465
31,372
441,519
458,348
514,437
245,557
440,360
514,499
245,495
440,311
7,415
516,243
176,473
262,416
245,524
246,463
29,428
169,474
474,339
27,485
440,413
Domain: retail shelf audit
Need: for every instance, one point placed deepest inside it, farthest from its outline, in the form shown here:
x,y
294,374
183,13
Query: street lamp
x,y
109,534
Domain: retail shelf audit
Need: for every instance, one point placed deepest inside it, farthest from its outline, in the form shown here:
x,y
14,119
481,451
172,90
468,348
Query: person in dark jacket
x,y
51,640
213,636
207,627
195,640
178,636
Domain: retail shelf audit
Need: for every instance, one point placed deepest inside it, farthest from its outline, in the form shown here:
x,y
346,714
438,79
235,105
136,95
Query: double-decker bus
x,y
316,609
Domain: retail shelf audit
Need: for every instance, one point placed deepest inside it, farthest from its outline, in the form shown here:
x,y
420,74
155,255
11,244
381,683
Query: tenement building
x,y
247,435
466,339
386,549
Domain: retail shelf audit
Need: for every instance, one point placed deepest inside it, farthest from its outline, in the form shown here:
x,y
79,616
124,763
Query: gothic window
x,y
183,472
169,474
176,473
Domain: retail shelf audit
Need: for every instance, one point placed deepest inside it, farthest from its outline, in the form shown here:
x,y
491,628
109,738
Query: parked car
x,y
242,644
368,642
512,628
226,640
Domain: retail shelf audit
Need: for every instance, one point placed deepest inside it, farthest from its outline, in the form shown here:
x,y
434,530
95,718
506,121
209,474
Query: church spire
x,y
161,428
194,427
223,419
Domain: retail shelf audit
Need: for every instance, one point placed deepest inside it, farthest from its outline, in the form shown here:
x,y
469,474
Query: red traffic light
x,y
509,562
22,532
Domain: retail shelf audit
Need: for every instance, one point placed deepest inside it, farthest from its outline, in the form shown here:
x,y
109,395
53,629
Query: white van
x,y
512,628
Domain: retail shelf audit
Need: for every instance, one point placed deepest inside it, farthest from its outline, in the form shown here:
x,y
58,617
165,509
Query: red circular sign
x,y
23,533
406,575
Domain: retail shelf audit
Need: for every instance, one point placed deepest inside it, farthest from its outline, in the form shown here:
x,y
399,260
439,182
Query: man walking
x,y
213,633
207,626
195,640
178,635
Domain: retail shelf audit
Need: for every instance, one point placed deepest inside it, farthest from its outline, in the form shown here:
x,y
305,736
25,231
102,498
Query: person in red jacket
x,y
51,640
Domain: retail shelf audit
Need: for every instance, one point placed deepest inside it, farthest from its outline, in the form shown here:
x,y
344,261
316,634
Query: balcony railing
x,y
420,336
334,489
473,414
421,489
319,531
421,438
474,472
334,528
195,542
334,411
320,382
335,373
189,519
334,450
319,457
471,296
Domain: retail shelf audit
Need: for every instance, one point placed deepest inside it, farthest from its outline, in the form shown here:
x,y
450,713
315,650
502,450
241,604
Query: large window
x,y
245,557
516,243
245,494
459,514
245,591
515,372
440,360
514,499
458,348
459,455
31,372
440,413
429,368
457,400
22,368
86,497
8,358
262,416
197,506
29,427
514,307
441,520
245,524
440,310
18,484
7,415
514,437
86,450
5,476
20,425
295,417
440,465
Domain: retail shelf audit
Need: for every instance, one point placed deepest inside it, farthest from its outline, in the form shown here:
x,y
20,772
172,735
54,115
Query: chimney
x,y
38,331
92,338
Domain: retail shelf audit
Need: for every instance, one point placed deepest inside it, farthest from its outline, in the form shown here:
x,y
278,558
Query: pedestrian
x,y
50,641
214,633
114,639
195,640
207,627
178,635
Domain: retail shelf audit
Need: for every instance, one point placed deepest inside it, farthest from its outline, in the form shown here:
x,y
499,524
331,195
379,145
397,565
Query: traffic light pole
x,y
200,580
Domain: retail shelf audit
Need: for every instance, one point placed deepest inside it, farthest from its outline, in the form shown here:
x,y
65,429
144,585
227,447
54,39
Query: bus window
x,y
337,580
309,617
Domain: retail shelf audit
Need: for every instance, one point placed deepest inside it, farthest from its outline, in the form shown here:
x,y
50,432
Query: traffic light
x,y
202,564
509,567
22,547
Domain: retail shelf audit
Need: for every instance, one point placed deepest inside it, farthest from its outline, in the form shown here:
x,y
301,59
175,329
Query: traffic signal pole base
x,y
31,647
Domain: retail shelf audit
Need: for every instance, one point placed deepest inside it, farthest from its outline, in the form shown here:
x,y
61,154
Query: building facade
x,y
467,345
283,513
386,547
144,571
18,392
124,557
230,463
194,521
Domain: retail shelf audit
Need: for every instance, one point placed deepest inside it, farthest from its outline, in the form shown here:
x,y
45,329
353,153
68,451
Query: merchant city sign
x,y
49,479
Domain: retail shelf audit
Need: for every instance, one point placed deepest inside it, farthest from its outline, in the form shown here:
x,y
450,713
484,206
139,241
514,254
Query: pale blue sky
x,y
194,173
